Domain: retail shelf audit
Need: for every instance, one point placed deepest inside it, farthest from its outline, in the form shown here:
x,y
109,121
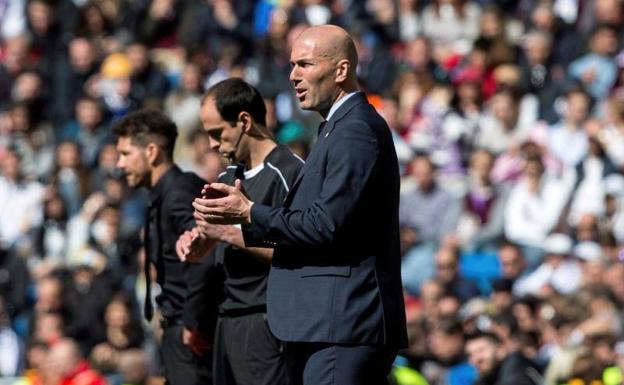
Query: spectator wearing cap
x,y
558,272
115,85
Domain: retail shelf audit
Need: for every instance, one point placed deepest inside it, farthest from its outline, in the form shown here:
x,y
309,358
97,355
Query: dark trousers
x,y
326,364
181,366
247,353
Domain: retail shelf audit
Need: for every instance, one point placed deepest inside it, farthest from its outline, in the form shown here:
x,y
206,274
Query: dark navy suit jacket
x,y
335,276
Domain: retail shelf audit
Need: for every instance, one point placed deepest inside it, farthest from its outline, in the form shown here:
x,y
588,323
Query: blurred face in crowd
x,y
20,118
607,11
15,54
417,53
27,86
37,356
604,42
501,299
587,228
117,314
81,55
527,321
133,162
423,173
482,355
448,306
137,53
446,346
577,107
533,171
503,108
88,114
614,278
543,17
10,166
49,327
191,78
491,24
446,265
63,357
226,138
537,48
512,262
481,163
49,294
41,16
68,155
108,156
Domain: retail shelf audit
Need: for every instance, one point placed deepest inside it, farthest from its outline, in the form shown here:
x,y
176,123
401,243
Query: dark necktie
x,y
148,307
321,127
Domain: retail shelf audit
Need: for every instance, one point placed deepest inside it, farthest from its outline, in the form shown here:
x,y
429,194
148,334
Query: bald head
x,y
332,43
324,61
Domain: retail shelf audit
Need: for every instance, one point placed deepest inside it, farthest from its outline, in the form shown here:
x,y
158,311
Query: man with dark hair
x,y
145,141
334,293
233,115
495,366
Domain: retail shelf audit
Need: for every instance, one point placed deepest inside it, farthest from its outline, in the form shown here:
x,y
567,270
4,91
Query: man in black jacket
x,y
145,141
233,114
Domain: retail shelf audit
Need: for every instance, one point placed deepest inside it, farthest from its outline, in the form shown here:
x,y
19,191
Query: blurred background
x,y
508,121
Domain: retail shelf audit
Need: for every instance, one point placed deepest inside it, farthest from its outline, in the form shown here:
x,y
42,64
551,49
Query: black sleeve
x,y
350,166
204,283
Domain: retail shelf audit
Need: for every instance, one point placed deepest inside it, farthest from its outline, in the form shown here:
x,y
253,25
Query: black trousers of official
x,y
180,365
247,353
327,364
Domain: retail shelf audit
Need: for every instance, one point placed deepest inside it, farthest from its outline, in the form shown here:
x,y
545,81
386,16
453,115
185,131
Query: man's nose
x,y
294,75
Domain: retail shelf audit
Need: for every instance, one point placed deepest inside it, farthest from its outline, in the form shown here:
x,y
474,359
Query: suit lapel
x,y
356,99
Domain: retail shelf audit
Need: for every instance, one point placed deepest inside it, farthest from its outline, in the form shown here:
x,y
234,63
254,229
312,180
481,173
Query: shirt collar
x,y
163,183
338,104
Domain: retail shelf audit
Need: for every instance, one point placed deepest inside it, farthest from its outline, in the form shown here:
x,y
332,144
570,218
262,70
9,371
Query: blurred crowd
x,y
508,120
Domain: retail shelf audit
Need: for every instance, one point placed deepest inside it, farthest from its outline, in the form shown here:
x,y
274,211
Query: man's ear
x,y
152,151
342,70
246,121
